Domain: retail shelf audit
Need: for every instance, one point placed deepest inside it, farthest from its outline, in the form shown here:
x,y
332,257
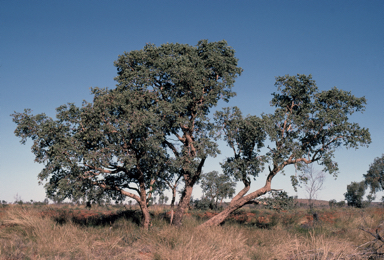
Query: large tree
x,y
109,148
150,130
307,126
188,82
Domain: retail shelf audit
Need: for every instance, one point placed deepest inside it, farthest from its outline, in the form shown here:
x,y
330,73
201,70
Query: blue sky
x,y
52,52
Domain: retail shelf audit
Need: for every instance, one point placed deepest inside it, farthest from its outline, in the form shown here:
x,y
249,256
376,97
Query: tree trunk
x,y
146,217
173,202
183,205
237,202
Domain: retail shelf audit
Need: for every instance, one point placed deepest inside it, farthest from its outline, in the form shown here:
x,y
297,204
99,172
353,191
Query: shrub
x,y
280,200
332,203
204,204
341,204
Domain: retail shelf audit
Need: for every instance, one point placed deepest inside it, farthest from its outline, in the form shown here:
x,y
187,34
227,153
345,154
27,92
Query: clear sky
x,y
52,52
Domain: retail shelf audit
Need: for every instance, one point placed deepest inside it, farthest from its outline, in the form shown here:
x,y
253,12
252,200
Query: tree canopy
x,y
111,147
151,129
355,193
375,175
307,126
217,187
187,81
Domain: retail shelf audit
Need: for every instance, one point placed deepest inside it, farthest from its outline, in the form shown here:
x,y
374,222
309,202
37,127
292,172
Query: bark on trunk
x,y
146,217
183,205
173,202
235,204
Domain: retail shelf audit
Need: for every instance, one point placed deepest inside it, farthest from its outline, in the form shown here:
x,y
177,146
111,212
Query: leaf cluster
x,y
217,187
375,175
355,193
246,137
308,125
279,200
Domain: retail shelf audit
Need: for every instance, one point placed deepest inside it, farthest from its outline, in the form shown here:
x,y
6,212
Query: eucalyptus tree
x,y
150,130
109,148
307,126
188,81
217,186
375,175
355,193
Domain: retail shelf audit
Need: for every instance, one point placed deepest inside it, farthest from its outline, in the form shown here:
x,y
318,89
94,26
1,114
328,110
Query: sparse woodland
x,y
152,133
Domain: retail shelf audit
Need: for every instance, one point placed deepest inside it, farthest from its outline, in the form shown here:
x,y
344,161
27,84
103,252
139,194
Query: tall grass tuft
x,y
34,233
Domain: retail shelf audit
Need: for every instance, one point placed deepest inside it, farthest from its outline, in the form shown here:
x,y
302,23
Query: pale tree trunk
x,y
146,217
173,202
142,201
174,190
237,202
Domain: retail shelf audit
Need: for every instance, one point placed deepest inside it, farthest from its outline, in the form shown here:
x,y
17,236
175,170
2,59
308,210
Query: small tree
x,y
279,200
375,175
314,181
341,203
217,187
203,204
355,193
332,203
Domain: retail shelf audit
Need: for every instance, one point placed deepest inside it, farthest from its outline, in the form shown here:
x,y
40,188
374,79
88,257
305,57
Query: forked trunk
x,y
183,205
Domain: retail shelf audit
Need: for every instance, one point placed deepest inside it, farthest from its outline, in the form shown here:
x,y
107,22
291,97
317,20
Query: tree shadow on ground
x,y
89,218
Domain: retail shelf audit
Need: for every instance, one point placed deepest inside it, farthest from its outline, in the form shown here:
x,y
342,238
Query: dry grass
x,y
27,233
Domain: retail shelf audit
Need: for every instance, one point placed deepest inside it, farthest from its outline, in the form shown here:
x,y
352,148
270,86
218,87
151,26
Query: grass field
x,y
73,232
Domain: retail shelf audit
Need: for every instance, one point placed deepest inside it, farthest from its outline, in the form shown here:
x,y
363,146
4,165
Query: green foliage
x,y
217,187
279,200
121,142
204,204
308,125
354,194
375,175
341,204
187,82
332,203
370,198
98,149
246,137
